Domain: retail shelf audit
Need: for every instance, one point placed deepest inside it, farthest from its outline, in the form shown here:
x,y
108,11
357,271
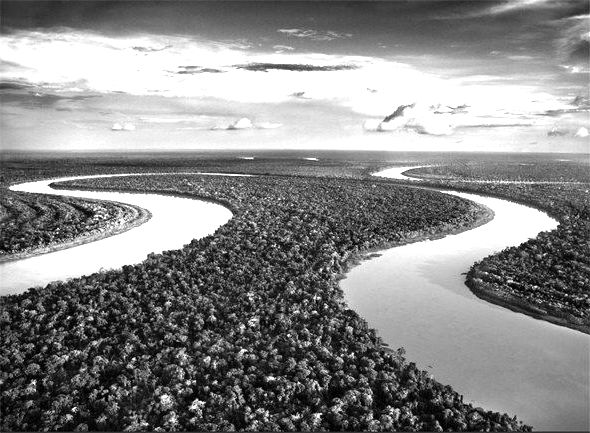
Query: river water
x,y
175,222
415,296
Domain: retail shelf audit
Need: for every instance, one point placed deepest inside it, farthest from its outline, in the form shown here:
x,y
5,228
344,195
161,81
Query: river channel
x,y
415,296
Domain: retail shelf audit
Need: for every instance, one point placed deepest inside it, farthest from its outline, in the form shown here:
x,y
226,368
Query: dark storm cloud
x,y
265,67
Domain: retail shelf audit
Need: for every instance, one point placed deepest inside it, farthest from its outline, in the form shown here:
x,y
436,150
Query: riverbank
x,y
133,216
486,292
166,226
482,215
255,308
546,277
415,296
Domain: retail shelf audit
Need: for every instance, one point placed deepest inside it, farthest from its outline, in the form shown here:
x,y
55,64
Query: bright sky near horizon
x,y
425,75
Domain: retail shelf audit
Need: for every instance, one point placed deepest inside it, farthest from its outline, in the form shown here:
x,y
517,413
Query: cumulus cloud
x,y
243,123
583,102
557,131
580,104
367,85
315,35
412,118
123,127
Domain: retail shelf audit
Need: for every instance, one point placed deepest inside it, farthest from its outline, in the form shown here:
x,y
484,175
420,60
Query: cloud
x,y
14,85
44,60
245,123
299,95
580,104
189,69
510,6
414,118
151,49
268,125
498,124
123,127
557,132
240,44
573,44
265,67
198,119
518,5
447,109
315,35
399,112
282,48
582,101
13,93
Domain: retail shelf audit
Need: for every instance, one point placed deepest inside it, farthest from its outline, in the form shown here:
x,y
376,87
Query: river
x,y
175,221
415,296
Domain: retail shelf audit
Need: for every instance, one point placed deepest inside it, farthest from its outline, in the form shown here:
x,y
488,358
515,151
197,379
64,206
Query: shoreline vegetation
x,y
547,277
287,354
35,224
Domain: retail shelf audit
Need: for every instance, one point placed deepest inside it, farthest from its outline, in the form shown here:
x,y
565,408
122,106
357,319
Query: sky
x,y
416,75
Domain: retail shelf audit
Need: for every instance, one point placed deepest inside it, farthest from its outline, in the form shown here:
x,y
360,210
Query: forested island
x,y
34,224
547,277
246,329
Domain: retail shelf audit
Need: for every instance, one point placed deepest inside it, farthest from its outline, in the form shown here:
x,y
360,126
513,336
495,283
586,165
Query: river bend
x,y
415,296
174,222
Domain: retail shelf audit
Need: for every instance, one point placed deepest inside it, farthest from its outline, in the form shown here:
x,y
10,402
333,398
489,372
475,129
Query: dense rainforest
x,y
548,276
246,329
36,223
164,344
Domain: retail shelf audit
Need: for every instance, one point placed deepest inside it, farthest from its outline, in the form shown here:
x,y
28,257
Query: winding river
x,y
175,221
415,296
